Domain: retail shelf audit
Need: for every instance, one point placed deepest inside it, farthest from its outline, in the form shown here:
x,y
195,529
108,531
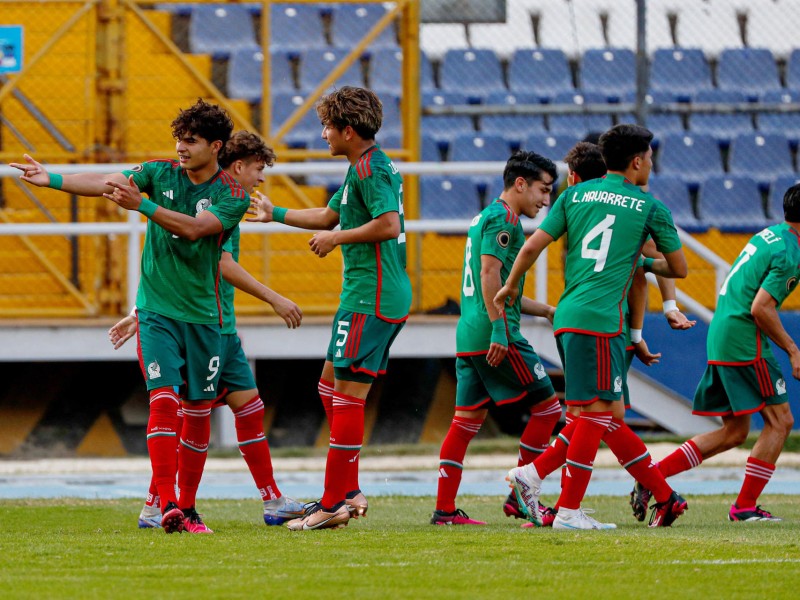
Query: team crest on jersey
x,y
201,205
617,384
137,168
780,387
539,370
153,370
791,284
344,194
503,238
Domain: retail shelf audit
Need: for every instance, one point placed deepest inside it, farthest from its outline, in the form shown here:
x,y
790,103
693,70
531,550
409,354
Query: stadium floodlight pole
x,y
641,62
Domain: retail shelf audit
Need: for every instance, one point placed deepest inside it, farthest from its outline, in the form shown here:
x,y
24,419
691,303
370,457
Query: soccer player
x,y
742,376
193,207
608,221
244,158
376,291
495,363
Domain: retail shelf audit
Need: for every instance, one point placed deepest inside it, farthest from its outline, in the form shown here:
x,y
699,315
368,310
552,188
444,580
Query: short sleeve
x,y
555,223
663,230
496,237
143,176
335,202
378,194
781,277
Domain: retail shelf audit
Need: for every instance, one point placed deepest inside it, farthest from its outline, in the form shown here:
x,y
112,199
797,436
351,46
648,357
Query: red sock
x,y
325,389
632,454
553,458
757,474
193,450
589,430
564,444
451,459
686,457
153,499
347,434
536,437
254,447
162,440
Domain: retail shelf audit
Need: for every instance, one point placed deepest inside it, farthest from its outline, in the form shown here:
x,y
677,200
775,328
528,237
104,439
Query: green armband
x,y
648,265
499,332
56,181
279,214
147,207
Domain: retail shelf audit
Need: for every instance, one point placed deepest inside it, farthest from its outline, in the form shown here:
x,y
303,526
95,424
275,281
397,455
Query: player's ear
x,y
216,146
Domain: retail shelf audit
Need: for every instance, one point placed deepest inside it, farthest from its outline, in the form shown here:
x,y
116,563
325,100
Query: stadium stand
x,y
479,147
435,39
554,147
721,126
514,128
696,20
775,197
316,63
544,72
578,125
692,157
446,127
220,30
750,70
732,204
504,39
392,120
245,74
764,156
296,27
793,71
351,22
673,192
476,73
307,128
385,72
430,151
439,98
770,25
785,123
680,73
558,27
448,198
610,71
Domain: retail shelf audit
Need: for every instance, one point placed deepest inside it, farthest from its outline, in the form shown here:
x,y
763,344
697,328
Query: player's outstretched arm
x,y
262,210
675,318
82,184
673,265
122,331
528,254
238,277
381,228
765,312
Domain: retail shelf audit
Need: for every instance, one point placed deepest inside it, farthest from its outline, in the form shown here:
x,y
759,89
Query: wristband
x,y
636,335
133,312
648,265
669,306
56,181
499,332
147,207
279,214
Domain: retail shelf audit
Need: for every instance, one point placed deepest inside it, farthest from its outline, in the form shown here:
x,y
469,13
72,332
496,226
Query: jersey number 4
x,y
602,230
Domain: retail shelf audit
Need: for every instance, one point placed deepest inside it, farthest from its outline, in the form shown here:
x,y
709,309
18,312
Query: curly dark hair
x,y
357,107
247,147
209,121
528,165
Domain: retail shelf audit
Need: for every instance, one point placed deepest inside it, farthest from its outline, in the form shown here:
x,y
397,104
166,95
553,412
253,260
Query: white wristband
x,y
636,335
133,312
669,306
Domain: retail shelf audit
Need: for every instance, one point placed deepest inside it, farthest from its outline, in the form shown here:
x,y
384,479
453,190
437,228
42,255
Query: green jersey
x,y
608,221
496,231
226,290
375,278
770,261
179,276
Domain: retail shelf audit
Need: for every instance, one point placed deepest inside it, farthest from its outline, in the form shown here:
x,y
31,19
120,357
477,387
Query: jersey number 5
x,y
602,229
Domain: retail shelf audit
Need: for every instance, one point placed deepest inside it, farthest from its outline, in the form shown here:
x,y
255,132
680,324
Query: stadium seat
x,y
504,39
578,125
692,157
712,26
659,29
544,72
721,126
296,27
610,71
307,128
435,39
385,73
560,26
775,197
316,64
220,30
793,71
439,98
480,148
513,128
446,127
660,123
786,123
764,156
392,120
674,193
476,73
680,73
448,198
244,74
749,70
351,22
554,147
430,149
731,203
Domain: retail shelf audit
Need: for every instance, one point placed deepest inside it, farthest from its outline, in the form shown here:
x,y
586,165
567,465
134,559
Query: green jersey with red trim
x,y
226,290
608,221
497,232
769,261
179,276
375,278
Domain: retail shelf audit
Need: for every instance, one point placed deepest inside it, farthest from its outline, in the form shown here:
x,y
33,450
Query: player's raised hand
x,y
261,208
32,171
678,320
122,331
127,196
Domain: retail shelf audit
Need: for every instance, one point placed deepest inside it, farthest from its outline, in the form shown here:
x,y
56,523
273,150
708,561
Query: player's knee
x,y
735,436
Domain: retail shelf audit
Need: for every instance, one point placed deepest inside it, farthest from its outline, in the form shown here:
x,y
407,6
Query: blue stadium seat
x,y
692,157
775,198
244,74
514,128
307,129
660,123
764,155
430,149
445,127
554,147
296,27
317,63
610,72
386,76
543,72
787,123
439,98
480,147
476,73
721,126
578,125
732,203
680,73
793,71
674,193
392,120
220,30
749,70
351,22
448,198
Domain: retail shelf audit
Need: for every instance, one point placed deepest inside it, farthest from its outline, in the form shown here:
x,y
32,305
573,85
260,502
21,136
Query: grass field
x,y
92,549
